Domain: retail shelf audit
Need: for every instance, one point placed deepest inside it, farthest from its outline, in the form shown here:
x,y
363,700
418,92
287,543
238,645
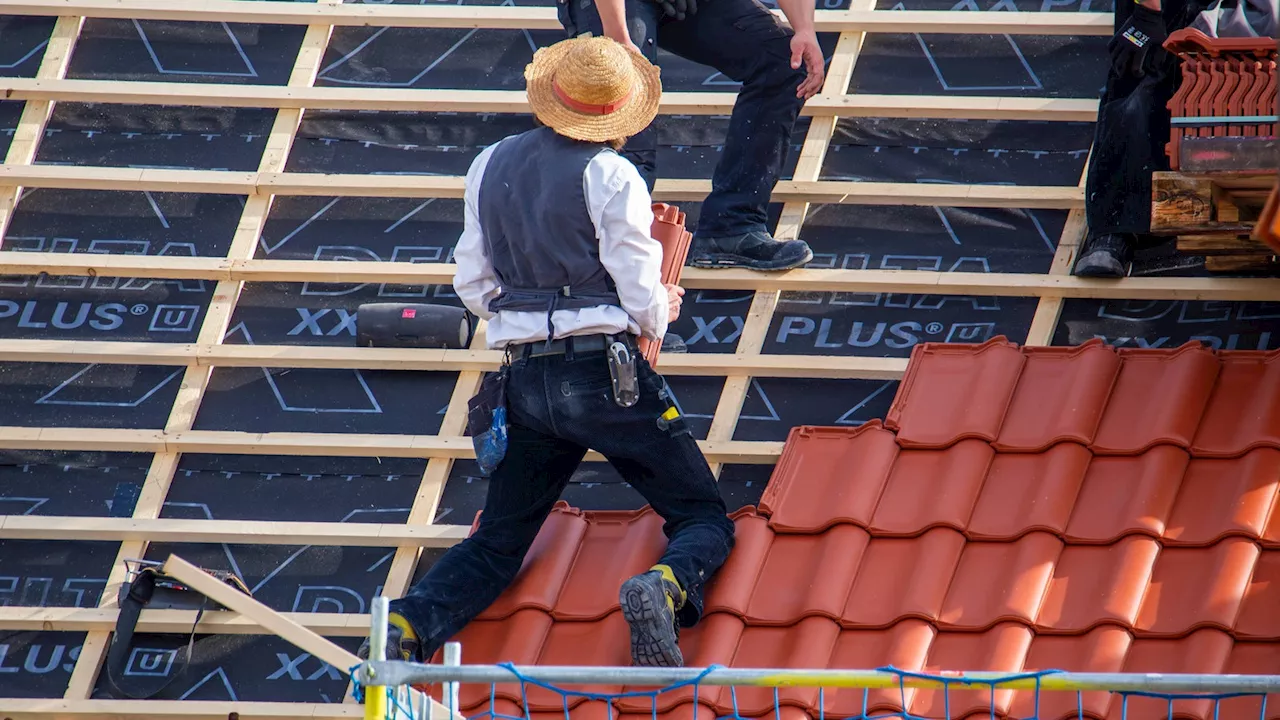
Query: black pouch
x,y
487,421
146,587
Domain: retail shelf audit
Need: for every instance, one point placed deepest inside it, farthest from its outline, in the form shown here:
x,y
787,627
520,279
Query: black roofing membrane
x,y
381,490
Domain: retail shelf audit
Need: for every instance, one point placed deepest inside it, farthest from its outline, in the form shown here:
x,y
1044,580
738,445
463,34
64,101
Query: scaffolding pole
x,y
404,673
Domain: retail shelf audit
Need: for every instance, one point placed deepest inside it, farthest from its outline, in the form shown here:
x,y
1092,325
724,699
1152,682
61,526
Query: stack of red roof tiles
x,y
1073,508
669,230
1222,77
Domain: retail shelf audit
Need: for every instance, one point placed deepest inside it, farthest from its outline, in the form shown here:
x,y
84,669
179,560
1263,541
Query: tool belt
x,y
487,409
146,587
620,351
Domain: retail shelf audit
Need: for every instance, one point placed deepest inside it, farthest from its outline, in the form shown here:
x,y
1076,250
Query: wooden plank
x,y
514,101
30,129
61,709
728,411
1261,262
801,280
314,444
450,186
232,532
175,622
1045,321
360,358
1221,244
544,18
297,635
195,379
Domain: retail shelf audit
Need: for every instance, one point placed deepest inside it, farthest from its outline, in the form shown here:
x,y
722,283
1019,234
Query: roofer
x,y
747,44
556,244
1132,129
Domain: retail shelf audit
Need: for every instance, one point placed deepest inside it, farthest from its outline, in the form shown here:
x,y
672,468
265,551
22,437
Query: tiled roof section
x,y
1083,509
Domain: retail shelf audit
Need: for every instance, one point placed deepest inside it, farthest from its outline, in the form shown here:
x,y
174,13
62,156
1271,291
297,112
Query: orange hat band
x,y
587,108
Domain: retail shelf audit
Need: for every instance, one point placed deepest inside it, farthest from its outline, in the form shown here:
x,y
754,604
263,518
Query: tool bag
x,y
145,586
487,420
413,325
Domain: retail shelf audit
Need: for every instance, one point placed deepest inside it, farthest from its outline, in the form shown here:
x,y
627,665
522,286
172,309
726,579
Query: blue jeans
x,y
747,43
558,406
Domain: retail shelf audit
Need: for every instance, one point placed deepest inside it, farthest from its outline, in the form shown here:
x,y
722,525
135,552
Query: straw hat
x,y
593,89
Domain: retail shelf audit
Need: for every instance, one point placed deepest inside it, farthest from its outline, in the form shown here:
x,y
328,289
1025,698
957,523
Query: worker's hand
x,y
805,49
675,295
678,9
1142,35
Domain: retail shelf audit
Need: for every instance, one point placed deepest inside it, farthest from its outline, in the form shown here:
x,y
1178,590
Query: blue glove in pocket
x,y
487,421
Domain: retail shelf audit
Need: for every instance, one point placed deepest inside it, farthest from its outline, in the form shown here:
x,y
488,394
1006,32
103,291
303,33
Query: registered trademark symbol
x,y
139,309
933,328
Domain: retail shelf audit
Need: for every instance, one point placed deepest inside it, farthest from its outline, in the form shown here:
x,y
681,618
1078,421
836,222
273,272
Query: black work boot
x,y
753,251
1105,256
649,604
400,636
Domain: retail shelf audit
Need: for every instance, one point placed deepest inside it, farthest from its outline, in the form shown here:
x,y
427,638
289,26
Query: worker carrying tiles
x,y
747,44
556,255
1132,129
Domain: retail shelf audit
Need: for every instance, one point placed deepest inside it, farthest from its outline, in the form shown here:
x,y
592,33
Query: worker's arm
x,y
804,46
622,210
474,281
613,18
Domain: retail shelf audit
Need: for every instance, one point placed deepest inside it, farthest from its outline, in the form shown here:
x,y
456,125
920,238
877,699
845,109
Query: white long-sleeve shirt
x,y
621,210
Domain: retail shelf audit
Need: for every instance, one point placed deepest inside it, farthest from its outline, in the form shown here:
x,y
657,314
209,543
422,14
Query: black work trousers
x,y
558,407
743,40
1132,130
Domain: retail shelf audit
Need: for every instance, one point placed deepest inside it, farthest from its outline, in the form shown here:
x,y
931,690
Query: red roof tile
x,y
1080,509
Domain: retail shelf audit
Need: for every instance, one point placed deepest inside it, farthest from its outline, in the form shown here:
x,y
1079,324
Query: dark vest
x,y
538,232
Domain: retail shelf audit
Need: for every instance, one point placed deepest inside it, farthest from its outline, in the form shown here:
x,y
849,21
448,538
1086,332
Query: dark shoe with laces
x,y
649,602
396,639
1105,256
753,251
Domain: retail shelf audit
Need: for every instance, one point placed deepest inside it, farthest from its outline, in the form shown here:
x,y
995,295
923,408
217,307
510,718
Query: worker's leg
x,y
748,44
651,446
1129,145
522,490
579,17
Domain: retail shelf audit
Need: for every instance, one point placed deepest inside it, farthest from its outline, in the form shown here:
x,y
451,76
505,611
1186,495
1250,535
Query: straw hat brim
x,y
626,121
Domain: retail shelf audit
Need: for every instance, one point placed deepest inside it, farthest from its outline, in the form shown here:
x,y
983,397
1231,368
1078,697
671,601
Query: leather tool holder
x,y
146,587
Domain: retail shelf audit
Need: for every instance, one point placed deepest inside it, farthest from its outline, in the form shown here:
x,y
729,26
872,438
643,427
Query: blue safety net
x,y
574,702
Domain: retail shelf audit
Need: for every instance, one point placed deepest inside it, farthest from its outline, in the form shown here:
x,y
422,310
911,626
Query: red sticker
x,y
408,313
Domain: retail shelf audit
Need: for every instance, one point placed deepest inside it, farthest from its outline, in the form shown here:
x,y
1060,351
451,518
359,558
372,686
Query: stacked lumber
x,y
1223,152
